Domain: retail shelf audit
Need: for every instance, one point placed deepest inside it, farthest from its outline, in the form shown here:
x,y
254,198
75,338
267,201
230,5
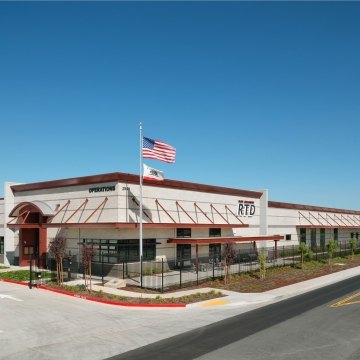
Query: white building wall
x,y
186,199
58,197
11,243
284,222
2,228
2,217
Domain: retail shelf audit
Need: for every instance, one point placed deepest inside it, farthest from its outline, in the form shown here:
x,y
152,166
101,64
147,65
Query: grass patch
x,y
22,275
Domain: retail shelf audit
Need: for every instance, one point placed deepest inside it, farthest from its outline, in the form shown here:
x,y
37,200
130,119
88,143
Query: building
x,y
180,219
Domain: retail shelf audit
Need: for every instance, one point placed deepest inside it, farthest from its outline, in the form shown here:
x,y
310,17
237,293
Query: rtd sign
x,y
246,208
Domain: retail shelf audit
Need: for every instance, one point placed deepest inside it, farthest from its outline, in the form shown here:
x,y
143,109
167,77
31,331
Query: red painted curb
x,y
109,302
103,301
15,282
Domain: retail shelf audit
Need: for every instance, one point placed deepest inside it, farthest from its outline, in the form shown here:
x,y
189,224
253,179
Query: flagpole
x,y
141,205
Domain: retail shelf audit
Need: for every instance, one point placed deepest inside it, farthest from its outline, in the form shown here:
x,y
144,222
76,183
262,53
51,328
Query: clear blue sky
x,y
253,95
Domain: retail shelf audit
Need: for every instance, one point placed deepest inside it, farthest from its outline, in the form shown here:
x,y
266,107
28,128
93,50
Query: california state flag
x,y
152,174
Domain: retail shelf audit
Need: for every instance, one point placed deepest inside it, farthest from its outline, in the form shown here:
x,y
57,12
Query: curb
x,y
14,282
103,301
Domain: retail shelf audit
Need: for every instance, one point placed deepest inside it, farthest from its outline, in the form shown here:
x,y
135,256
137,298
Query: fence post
x,y
102,268
180,273
213,268
316,252
274,256
69,265
197,272
162,275
239,256
293,254
30,273
141,271
284,255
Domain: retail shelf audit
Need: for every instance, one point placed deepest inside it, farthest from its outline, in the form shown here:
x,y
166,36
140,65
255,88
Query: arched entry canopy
x,y
38,206
28,217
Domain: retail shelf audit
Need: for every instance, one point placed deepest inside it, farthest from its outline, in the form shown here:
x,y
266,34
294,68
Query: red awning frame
x,y
222,240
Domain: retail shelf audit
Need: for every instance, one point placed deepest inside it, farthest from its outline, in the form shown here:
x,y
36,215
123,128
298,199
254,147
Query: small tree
x,y
229,256
332,247
262,263
304,249
309,254
352,244
87,255
57,250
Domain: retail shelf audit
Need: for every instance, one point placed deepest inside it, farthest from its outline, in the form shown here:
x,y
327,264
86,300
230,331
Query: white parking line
x,y
2,296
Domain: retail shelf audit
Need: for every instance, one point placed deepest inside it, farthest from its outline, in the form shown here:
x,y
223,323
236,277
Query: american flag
x,y
155,149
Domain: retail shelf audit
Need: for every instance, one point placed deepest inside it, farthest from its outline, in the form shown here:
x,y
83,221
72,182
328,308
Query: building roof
x,y
284,205
134,179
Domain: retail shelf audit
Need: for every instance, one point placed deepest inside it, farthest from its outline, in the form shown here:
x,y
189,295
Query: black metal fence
x,y
168,274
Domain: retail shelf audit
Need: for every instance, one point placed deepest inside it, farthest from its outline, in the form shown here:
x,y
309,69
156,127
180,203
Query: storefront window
x,y
313,238
336,234
322,238
303,235
118,251
183,251
215,251
1,245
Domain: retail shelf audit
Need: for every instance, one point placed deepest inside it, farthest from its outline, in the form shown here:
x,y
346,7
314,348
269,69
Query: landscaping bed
x,y
282,276
245,282
80,291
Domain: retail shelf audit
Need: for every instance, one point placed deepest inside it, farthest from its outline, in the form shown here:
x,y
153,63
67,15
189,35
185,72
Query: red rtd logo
x,y
246,208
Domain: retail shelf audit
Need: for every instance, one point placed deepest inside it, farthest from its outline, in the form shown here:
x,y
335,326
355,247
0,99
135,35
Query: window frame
x,y
214,232
181,232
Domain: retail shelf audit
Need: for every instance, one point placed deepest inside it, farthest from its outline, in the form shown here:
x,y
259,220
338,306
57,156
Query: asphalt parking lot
x,y
38,324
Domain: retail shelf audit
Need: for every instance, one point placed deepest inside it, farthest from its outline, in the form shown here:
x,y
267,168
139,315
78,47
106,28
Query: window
x,y
322,238
313,238
357,236
118,251
336,234
183,251
352,235
149,249
1,244
214,232
288,237
303,235
183,232
215,251
28,250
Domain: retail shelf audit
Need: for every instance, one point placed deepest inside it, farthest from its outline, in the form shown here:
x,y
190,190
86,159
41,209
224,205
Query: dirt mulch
x,y
188,299
283,276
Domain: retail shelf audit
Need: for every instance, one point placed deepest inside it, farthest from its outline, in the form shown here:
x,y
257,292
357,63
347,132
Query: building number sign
x,y
246,208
